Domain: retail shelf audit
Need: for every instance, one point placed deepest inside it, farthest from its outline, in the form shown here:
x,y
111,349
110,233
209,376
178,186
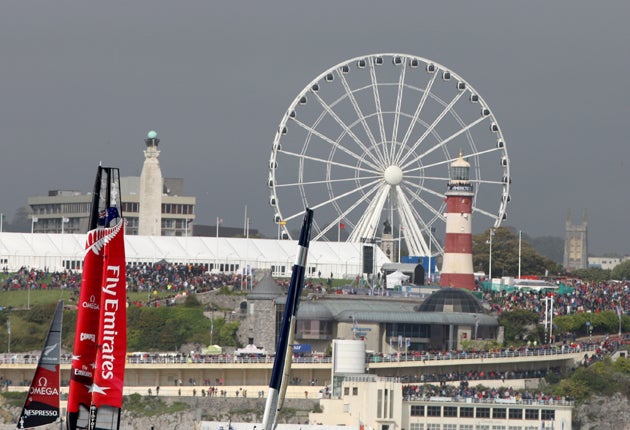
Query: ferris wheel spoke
x,y
409,219
399,97
423,202
326,161
379,110
411,186
436,247
361,116
485,181
478,210
337,145
344,195
368,223
422,177
342,215
327,181
429,129
448,139
443,141
416,115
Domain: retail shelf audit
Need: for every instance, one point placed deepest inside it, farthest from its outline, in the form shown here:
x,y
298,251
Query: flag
x,y
342,225
65,219
619,311
219,220
35,219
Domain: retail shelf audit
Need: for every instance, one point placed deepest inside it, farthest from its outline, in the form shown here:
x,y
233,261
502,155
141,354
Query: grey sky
x,y
82,82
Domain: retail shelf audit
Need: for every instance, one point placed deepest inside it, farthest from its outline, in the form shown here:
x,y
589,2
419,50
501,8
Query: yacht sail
x,y
284,348
100,343
42,401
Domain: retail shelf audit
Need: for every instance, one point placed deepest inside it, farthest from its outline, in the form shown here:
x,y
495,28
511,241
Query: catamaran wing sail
x,y
282,361
109,372
100,343
42,402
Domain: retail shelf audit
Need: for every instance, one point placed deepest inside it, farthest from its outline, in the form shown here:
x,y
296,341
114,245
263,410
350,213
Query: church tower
x,y
150,213
457,266
576,244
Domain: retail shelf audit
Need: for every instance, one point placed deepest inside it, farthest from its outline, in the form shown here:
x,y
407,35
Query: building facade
x,y
63,211
157,200
378,403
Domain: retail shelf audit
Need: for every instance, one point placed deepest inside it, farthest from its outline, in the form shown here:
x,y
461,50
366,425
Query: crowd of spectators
x,y
592,297
478,393
178,278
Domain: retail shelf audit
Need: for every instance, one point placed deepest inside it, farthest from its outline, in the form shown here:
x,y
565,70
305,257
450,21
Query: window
x,y
450,411
547,414
433,427
499,413
355,391
417,410
449,427
498,427
416,426
434,411
483,413
516,414
466,412
531,414
465,427
482,427
346,391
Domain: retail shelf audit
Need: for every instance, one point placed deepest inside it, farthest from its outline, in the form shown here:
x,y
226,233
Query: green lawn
x,y
23,299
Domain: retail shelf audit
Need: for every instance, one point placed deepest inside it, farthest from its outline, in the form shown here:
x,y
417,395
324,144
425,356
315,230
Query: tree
x,y
20,222
621,271
505,255
592,274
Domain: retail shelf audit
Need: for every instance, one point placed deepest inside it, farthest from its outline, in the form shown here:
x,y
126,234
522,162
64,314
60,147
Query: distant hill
x,y
548,246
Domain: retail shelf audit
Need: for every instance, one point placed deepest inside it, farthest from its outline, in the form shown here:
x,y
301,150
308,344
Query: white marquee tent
x,y
57,252
396,278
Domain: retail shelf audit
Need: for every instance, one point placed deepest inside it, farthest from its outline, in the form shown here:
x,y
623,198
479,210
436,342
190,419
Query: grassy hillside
x,y
163,328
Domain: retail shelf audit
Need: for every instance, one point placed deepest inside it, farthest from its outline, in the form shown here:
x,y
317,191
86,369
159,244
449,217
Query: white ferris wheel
x,y
371,140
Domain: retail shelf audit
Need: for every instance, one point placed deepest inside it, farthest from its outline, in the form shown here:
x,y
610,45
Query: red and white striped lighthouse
x,y
457,265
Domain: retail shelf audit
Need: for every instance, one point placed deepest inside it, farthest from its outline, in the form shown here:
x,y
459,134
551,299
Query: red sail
x,y
42,402
85,338
109,372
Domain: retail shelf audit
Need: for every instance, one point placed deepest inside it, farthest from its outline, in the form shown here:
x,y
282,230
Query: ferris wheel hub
x,y
393,175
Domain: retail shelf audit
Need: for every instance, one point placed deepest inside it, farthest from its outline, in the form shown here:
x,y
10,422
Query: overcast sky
x,y
83,81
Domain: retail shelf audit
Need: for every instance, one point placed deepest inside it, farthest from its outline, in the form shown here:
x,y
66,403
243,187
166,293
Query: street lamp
x,y
520,254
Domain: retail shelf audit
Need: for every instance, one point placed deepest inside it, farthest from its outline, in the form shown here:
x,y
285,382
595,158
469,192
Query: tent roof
x,y
343,259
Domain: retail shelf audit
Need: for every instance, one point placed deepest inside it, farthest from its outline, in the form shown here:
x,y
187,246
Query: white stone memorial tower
x,y
151,184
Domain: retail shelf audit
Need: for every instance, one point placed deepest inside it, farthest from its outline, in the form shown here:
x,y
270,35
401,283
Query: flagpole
x,y
338,232
217,227
520,239
245,220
